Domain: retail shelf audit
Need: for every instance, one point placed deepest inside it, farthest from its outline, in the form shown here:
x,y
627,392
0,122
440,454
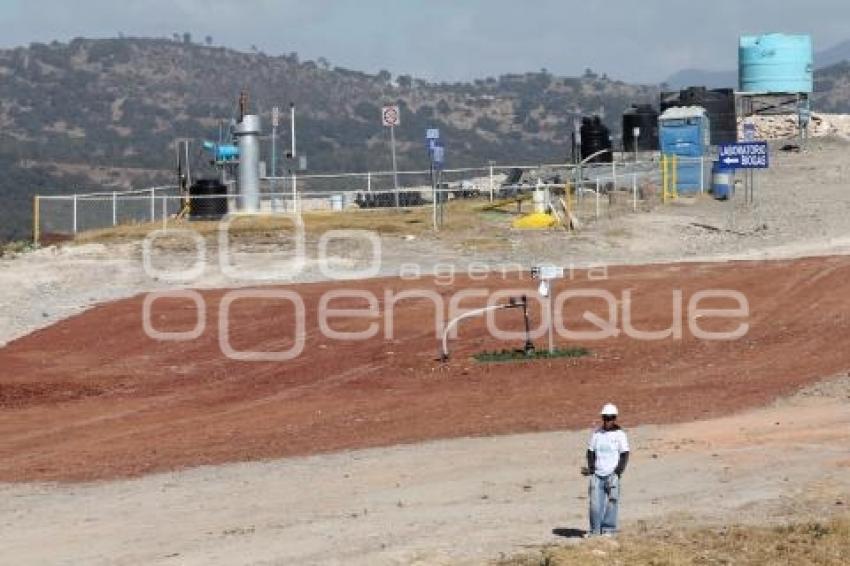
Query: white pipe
x,y
468,314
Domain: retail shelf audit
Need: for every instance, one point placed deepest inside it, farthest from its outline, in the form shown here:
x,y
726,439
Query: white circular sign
x,y
390,116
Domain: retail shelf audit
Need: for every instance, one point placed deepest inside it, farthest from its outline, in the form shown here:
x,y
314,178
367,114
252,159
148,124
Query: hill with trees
x,y
102,114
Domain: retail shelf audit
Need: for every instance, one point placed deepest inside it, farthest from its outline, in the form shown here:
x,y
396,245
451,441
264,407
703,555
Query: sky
x,y
451,40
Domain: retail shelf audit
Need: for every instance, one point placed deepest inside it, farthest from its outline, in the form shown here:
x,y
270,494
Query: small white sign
x,y
390,116
547,272
275,116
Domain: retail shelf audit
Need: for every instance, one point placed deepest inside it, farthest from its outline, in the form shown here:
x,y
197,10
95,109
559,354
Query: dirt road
x,y
446,502
94,398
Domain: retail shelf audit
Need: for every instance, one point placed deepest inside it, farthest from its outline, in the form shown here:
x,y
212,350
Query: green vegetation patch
x,y
523,356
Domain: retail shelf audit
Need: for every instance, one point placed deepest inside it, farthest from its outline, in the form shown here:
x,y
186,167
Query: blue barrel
x,y
722,181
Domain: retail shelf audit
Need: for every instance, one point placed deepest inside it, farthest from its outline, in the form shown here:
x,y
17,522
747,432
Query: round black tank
x,y
645,117
718,103
595,137
203,201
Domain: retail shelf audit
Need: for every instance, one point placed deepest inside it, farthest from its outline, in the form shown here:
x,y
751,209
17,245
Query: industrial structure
x,y
776,76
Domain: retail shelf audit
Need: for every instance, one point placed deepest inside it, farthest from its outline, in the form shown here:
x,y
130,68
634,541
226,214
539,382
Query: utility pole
x,y
390,118
275,123
395,165
294,157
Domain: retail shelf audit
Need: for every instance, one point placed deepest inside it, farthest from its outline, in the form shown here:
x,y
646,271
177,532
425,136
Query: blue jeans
x,y
604,497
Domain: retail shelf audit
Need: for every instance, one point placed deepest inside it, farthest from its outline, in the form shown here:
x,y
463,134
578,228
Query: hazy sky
x,y
635,40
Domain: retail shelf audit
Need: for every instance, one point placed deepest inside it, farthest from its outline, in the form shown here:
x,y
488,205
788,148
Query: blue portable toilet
x,y
686,133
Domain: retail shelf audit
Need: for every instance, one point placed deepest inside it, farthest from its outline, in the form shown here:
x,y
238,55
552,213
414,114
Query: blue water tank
x,y
685,133
776,63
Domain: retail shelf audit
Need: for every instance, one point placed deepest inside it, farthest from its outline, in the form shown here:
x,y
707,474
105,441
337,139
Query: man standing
x,y
607,457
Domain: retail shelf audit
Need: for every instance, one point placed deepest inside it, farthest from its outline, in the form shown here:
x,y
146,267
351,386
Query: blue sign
x,y
432,134
745,155
438,155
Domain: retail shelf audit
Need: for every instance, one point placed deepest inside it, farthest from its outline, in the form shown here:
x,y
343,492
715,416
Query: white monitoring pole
x,y
548,274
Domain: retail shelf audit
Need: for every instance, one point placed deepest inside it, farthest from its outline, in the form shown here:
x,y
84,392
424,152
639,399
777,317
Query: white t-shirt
x,y
608,445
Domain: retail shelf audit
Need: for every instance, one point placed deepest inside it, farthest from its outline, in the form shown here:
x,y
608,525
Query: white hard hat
x,y
609,409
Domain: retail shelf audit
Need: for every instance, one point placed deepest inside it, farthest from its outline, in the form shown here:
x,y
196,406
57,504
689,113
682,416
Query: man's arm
x,y
622,463
591,460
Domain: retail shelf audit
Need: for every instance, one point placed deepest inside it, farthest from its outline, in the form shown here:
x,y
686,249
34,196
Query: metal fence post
x,y
164,212
294,194
597,197
114,209
74,225
614,173
369,182
634,192
701,174
153,206
36,219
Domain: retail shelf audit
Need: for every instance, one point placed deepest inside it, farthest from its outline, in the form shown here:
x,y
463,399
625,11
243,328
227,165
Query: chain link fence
x,y
590,192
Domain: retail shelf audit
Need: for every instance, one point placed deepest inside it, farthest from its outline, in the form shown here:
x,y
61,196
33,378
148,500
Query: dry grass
x,y
15,247
820,544
460,217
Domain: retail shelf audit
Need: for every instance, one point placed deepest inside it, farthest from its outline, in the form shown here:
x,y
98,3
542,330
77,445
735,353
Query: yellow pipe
x,y
675,183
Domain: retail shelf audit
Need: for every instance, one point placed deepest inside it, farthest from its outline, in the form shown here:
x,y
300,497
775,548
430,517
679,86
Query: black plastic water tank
x,y
207,200
718,103
645,117
595,137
